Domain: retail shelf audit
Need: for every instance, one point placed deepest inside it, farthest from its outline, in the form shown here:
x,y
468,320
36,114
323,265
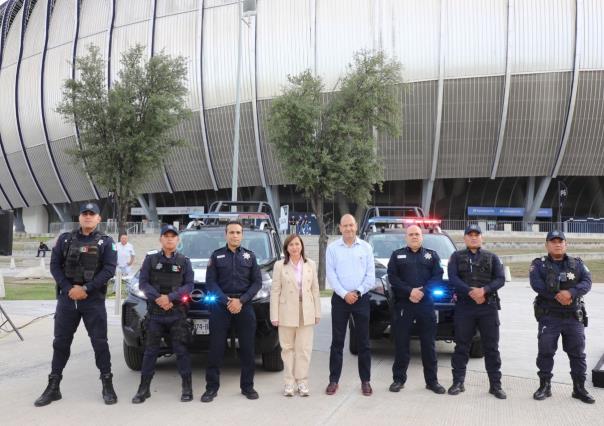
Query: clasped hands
x,y
478,295
77,292
234,305
164,302
564,297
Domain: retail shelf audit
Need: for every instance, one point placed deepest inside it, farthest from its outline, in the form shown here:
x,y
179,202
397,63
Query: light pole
x,y
246,8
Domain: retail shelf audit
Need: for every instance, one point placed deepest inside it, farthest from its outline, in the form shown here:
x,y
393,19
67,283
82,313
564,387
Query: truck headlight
x,y
134,289
265,290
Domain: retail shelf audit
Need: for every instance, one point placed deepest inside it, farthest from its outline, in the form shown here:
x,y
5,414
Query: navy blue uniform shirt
x,y
461,288
408,270
151,292
538,275
107,253
233,273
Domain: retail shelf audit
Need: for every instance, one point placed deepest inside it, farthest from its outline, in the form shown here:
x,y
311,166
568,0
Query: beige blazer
x,y
285,299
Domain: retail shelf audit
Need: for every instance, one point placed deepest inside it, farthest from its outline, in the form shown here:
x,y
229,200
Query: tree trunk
x,y
122,204
317,204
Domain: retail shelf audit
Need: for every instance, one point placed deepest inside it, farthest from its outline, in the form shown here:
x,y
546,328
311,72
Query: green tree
x,y
125,130
327,143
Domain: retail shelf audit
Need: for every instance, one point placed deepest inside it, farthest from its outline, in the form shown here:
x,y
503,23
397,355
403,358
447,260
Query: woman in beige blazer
x,y
295,309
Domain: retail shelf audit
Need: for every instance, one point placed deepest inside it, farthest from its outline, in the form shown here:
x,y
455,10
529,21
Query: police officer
x,y
81,263
476,274
412,272
560,282
166,278
233,276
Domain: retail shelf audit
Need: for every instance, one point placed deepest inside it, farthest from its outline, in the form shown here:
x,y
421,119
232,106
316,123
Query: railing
x,y
108,227
578,226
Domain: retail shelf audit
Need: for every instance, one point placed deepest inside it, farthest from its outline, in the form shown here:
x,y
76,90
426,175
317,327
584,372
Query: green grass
x,y
29,289
520,270
39,290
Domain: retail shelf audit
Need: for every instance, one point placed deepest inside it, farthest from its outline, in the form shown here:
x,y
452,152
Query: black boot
x,y
109,395
187,388
579,391
143,390
544,391
52,391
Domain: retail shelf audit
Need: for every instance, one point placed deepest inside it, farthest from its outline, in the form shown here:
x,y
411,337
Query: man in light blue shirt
x,y
351,274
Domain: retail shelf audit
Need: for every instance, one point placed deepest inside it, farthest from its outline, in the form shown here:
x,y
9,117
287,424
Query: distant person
x,y
125,255
295,308
42,248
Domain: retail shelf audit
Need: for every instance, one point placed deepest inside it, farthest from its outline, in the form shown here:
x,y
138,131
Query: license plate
x,y
201,326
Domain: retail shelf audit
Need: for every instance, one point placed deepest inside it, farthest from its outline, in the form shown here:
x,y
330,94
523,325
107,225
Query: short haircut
x,y
233,222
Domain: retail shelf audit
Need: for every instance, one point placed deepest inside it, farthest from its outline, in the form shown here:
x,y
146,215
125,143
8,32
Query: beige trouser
x,y
296,349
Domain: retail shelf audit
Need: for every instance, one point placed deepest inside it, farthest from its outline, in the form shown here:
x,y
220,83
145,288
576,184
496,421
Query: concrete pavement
x,y
24,367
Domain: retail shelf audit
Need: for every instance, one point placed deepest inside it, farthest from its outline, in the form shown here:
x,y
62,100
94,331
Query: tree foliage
x,y
125,130
327,142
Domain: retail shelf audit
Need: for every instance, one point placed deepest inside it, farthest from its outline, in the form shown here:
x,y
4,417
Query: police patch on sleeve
x,y
113,247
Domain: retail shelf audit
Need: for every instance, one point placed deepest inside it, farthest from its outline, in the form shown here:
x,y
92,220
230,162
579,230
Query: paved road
x,y
25,365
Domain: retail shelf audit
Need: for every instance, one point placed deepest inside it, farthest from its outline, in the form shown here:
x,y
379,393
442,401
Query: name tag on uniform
x,y
220,256
401,256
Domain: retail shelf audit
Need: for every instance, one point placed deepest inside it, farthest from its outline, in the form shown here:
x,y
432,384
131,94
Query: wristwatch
x,y
358,293
85,287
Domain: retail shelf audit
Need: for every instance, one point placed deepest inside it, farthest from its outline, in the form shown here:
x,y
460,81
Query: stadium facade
x,y
503,97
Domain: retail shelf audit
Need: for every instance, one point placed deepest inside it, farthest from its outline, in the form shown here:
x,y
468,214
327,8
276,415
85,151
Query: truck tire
x,y
133,357
271,361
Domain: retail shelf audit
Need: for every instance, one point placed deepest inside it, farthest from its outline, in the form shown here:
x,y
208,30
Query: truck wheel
x,y
476,348
353,344
133,357
271,361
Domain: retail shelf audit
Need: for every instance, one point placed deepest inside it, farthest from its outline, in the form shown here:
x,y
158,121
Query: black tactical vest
x,y
553,281
477,274
82,260
166,278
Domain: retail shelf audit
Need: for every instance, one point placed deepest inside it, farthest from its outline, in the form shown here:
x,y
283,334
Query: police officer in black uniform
x,y
81,263
412,272
476,274
166,278
560,282
233,276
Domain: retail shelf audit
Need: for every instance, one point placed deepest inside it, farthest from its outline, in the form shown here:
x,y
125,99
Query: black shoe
x,y
436,388
209,395
52,391
497,391
109,395
187,388
544,391
143,391
396,386
580,393
456,388
250,393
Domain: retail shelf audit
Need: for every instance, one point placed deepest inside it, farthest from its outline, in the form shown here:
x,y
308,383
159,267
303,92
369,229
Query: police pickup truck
x,y
197,244
384,228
